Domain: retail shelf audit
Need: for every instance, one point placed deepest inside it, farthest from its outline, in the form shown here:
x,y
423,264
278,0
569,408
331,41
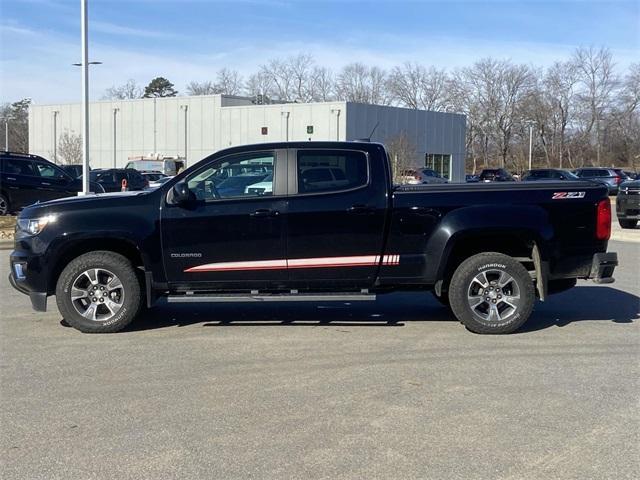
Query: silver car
x,y
419,176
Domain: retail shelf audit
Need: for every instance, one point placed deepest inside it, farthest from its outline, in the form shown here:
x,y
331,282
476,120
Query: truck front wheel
x,y
491,293
98,292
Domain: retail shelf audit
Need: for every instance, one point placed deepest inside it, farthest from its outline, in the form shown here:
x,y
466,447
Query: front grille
x,y
631,191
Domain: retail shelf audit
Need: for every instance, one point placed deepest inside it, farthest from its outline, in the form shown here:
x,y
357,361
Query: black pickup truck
x,y
312,221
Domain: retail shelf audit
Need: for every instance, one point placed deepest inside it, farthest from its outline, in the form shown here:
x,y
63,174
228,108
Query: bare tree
x,y
70,148
322,87
402,155
228,82
260,88
597,79
201,88
129,91
16,116
362,84
415,86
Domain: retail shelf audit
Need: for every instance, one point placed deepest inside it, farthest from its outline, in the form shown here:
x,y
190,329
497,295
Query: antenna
x,y
368,139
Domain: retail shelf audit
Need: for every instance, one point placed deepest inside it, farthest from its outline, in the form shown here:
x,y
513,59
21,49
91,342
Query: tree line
x,y
580,111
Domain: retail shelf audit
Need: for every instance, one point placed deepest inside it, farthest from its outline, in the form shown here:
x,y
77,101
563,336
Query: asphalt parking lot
x,y
391,389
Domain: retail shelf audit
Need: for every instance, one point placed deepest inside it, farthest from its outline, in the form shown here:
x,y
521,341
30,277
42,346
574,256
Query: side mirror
x,y
182,194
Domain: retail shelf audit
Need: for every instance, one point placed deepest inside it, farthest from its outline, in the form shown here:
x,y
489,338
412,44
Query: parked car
x,y
74,171
421,176
26,179
159,182
235,186
631,175
152,176
486,250
471,178
628,204
168,166
607,176
495,175
264,187
111,179
548,174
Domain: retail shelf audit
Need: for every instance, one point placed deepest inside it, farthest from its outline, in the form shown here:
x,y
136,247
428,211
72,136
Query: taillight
x,y
603,220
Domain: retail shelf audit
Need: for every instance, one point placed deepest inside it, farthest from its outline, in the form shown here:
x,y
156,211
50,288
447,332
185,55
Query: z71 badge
x,y
567,195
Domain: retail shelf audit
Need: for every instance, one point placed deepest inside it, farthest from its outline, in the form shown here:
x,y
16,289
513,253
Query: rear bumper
x,y
603,266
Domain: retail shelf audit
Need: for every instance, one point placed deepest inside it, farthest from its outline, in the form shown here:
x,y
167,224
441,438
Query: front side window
x,y
48,171
247,175
321,171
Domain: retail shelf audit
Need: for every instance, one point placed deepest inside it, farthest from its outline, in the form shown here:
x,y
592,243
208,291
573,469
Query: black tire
x,y
627,223
502,313
5,206
129,303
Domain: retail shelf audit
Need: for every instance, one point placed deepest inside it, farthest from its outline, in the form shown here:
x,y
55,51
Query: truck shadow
x,y
583,303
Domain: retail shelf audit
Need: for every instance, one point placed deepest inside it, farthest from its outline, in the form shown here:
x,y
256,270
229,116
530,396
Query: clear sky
x,y
186,40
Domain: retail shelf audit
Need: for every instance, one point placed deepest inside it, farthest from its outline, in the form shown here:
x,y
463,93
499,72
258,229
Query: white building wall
x,y
215,122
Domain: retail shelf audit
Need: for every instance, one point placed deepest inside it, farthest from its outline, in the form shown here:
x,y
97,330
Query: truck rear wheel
x,y
491,293
98,292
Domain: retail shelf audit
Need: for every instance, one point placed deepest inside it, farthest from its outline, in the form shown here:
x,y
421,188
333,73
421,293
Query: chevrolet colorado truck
x,y
312,221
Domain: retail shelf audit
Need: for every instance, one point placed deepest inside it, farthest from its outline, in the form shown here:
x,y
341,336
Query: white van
x,y
170,166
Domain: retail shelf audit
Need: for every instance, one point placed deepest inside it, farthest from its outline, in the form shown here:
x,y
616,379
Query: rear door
x,y
335,229
20,181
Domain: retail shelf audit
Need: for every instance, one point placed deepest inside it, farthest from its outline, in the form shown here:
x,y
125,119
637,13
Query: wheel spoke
x,y
512,301
92,275
112,306
504,279
494,313
114,284
77,293
475,302
91,312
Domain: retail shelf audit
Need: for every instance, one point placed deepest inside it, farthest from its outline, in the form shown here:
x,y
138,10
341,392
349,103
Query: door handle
x,y
11,178
361,209
264,212
45,183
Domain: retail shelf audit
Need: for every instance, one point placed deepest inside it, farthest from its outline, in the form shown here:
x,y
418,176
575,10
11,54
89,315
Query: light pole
x,y
6,134
115,155
55,136
84,38
186,110
531,123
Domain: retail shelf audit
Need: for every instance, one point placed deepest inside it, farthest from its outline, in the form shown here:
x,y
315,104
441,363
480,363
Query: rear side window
x,y
14,166
322,171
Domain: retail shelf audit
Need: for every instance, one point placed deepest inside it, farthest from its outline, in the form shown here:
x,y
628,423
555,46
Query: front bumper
x,y
38,299
27,277
603,266
628,207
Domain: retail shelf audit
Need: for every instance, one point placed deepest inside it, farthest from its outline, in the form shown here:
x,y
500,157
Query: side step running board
x,y
318,297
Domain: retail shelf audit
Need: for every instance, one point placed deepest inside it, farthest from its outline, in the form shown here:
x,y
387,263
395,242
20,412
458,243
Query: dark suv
x,y
609,176
111,179
548,174
495,175
26,179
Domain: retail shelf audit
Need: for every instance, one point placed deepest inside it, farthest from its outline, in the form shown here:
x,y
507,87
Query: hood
x,y
79,202
633,184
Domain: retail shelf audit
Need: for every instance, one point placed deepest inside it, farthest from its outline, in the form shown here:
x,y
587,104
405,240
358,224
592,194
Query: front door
x,y
335,219
233,235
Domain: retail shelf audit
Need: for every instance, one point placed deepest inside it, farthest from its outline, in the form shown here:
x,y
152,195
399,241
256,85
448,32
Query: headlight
x,y
34,226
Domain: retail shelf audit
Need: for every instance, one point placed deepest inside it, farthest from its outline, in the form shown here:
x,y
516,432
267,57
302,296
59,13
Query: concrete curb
x,y
630,236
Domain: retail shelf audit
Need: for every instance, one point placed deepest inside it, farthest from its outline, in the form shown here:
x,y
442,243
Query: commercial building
x,y
194,127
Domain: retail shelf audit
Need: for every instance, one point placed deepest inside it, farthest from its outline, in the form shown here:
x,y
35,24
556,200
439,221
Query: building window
x,y
309,129
439,162
264,130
